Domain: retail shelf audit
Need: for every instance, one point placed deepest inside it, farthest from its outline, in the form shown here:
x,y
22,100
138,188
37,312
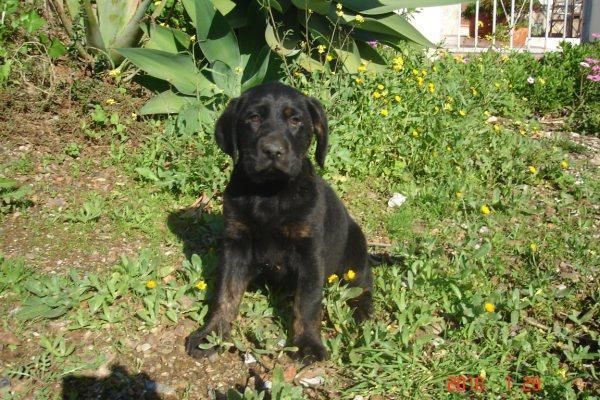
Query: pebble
x,y
312,382
4,382
249,359
397,200
144,347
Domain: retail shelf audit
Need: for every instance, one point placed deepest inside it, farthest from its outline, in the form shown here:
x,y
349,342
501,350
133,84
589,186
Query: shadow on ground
x,y
198,231
119,385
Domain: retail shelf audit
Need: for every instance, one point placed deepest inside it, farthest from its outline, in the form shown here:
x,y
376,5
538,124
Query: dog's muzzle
x,y
273,153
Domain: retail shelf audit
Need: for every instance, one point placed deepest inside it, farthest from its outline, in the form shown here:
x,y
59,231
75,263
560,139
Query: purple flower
x,y
594,78
596,35
372,43
591,61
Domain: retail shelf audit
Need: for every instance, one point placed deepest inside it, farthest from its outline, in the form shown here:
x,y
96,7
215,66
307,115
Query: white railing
x,y
552,20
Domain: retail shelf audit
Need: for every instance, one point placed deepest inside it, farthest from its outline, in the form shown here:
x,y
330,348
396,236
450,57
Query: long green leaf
x,y
166,39
373,7
256,68
226,79
391,24
113,16
177,69
318,6
215,37
167,102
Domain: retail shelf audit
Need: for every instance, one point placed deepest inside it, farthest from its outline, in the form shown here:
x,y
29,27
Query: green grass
x,y
461,137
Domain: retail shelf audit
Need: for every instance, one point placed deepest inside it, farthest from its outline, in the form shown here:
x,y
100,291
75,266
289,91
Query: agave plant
x,y
109,24
234,42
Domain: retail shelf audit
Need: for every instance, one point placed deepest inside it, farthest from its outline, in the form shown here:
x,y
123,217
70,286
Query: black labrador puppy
x,y
282,221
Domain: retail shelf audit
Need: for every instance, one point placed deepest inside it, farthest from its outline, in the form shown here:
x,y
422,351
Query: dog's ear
x,y
319,123
225,130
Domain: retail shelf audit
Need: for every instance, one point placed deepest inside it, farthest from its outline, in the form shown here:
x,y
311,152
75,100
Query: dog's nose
x,y
273,150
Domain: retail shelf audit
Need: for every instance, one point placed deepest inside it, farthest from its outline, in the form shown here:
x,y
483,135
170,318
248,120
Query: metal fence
x,y
532,25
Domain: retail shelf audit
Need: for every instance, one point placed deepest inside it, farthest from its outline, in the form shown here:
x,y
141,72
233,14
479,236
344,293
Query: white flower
x,y
584,64
530,80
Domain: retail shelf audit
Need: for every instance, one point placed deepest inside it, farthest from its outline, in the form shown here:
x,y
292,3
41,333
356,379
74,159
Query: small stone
x,y
144,347
249,359
4,382
312,382
397,200
358,397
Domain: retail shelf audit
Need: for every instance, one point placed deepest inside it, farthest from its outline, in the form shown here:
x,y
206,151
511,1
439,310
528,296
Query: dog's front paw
x,y
193,342
311,350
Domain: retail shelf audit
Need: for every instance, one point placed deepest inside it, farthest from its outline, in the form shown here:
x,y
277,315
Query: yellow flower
x,y
200,285
424,72
562,372
151,284
340,13
397,98
329,57
431,87
192,38
448,106
419,80
384,112
533,169
542,81
533,247
376,94
359,18
504,58
489,307
350,275
473,91
497,127
133,115
321,48
462,113
415,72
564,164
114,72
338,6
459,195
380,87
496,84
397,67
522,132
485,210
110,101
398,60
358,81
332,278
415,133
361,68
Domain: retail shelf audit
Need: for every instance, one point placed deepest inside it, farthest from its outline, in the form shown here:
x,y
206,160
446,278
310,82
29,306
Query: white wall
x,y
436,23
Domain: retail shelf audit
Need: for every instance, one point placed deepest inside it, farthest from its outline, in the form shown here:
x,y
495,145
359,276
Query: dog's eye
x,y
294,121
255,118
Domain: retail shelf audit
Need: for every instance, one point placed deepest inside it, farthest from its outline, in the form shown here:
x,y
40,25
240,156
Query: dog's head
x,y
269,129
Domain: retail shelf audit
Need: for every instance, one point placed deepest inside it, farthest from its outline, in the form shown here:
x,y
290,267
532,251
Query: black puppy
x,y
282,221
